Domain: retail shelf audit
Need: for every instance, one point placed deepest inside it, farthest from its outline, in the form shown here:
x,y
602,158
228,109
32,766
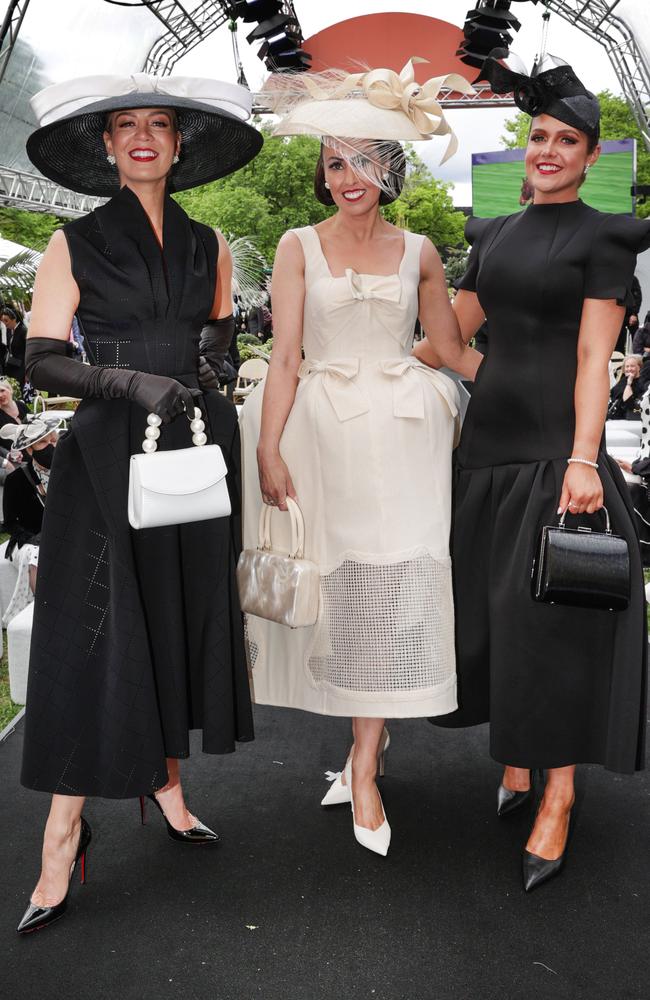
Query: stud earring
x,y
111,159
327,185
176,158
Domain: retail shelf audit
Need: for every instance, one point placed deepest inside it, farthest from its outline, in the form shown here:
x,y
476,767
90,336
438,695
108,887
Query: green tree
x,y
427,208
616,122
30,229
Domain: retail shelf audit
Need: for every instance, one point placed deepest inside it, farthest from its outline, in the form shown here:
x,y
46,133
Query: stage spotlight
x,y
488,26
278,30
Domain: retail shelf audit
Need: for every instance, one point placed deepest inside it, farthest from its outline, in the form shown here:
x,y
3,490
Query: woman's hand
x,y
275,481
625,466
582,490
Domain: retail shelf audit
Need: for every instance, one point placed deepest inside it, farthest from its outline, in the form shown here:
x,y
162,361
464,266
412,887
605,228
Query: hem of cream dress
x,y
416,704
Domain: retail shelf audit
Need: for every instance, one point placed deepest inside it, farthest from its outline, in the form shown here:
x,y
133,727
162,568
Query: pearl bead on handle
x,y
152,432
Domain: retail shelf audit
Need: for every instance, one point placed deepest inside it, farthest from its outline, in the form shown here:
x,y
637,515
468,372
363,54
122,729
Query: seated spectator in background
x,y
625,397
23,501
14,365
641,341
12,411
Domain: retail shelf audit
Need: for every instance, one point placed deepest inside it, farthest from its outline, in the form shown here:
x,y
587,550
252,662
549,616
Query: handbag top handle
x,y
297,528
152,433
608,527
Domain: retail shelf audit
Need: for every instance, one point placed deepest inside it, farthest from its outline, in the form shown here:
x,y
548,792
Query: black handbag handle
x,y
608,527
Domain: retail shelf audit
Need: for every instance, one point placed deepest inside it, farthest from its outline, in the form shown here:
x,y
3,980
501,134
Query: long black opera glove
x,y
215,340
50,367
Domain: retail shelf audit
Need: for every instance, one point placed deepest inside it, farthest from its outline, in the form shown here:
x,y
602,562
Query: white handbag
x,y
280,588
176,487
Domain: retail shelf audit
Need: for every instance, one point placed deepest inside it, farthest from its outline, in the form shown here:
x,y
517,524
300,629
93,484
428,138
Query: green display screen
x,y
498,178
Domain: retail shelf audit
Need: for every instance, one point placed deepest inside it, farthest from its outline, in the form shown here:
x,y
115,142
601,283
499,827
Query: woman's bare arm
x,y
444,344
222,305
56,293
282,379
600,326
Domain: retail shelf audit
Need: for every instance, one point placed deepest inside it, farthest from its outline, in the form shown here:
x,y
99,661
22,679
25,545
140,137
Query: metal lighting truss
x,y
9,31
596,19
184,31
31,191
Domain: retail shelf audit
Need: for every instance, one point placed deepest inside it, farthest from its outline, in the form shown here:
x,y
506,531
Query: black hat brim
x,y
71,151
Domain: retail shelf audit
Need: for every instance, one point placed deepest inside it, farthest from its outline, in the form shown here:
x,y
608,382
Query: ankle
x,y
558,797
61,829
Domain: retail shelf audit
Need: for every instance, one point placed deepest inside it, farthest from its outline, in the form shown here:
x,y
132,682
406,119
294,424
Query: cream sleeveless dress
x,y
368,444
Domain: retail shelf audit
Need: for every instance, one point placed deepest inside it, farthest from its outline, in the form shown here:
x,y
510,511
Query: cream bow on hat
x,y
378,104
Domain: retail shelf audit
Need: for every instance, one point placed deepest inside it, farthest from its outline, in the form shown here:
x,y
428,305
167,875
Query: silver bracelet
x,y
583,461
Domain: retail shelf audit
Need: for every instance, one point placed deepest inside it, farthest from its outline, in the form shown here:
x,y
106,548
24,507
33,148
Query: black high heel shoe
x,y
37,917
536,870
198,834
508,801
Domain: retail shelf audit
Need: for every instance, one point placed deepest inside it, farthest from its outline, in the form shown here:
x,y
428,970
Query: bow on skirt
x,y
408,376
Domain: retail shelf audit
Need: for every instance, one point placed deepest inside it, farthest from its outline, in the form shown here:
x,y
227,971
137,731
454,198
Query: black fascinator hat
x,y
555,91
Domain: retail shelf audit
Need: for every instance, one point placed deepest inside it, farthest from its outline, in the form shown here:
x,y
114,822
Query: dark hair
x,y
8,311
392,155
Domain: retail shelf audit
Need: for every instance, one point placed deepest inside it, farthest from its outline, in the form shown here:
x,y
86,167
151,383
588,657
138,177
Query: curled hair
x,y
388,157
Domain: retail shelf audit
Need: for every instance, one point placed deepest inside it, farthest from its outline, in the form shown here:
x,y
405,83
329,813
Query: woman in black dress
x,y
626,394
559,685
137,635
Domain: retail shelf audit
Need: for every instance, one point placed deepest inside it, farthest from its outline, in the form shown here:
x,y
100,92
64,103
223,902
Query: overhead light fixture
x,y
488,26
278,30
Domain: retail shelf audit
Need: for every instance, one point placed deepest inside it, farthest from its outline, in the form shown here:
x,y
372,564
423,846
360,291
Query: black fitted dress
x,y
137,635
559,685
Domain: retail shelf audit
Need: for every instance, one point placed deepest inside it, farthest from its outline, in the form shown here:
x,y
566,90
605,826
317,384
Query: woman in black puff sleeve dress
x,y
137,635
559,685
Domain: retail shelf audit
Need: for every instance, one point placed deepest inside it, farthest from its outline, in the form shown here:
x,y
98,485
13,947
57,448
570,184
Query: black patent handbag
x,y
582,567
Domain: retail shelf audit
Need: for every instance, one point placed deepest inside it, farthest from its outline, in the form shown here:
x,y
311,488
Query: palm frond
x,y
248,267
17,276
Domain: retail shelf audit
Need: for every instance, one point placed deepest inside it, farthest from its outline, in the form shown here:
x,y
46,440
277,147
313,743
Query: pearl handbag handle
x,y
297,529
152,433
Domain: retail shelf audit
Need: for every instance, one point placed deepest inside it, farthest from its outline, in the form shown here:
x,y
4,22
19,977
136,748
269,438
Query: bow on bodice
x,y
348,399
387,288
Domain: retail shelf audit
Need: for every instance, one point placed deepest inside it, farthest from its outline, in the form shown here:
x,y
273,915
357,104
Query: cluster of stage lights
x,y
278,31
488,26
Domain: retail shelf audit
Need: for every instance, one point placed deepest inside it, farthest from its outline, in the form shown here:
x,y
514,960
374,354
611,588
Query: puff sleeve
x,y
475,230
612,261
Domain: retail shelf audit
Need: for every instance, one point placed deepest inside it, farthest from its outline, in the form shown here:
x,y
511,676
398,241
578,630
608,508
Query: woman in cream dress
x,y
361,434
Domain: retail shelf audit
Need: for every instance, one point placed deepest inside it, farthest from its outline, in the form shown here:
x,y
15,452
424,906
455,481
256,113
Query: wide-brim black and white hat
x,y
31,432
68,148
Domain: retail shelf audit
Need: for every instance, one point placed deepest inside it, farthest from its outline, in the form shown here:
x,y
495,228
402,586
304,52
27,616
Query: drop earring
x,y
176,158
327,185
111,159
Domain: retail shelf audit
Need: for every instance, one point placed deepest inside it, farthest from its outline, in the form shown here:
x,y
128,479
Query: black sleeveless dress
x,y
559,685
137,635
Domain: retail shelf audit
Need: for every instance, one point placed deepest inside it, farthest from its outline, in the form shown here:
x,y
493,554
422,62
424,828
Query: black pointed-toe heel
x,y
37,917
536,870
198,834
508,801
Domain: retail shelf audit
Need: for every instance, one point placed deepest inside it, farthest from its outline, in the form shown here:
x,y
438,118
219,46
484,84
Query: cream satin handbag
x,y
176,487
280,588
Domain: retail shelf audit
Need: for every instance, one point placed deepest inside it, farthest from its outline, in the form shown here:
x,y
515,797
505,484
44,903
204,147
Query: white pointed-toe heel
x,y
338,793
374,840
